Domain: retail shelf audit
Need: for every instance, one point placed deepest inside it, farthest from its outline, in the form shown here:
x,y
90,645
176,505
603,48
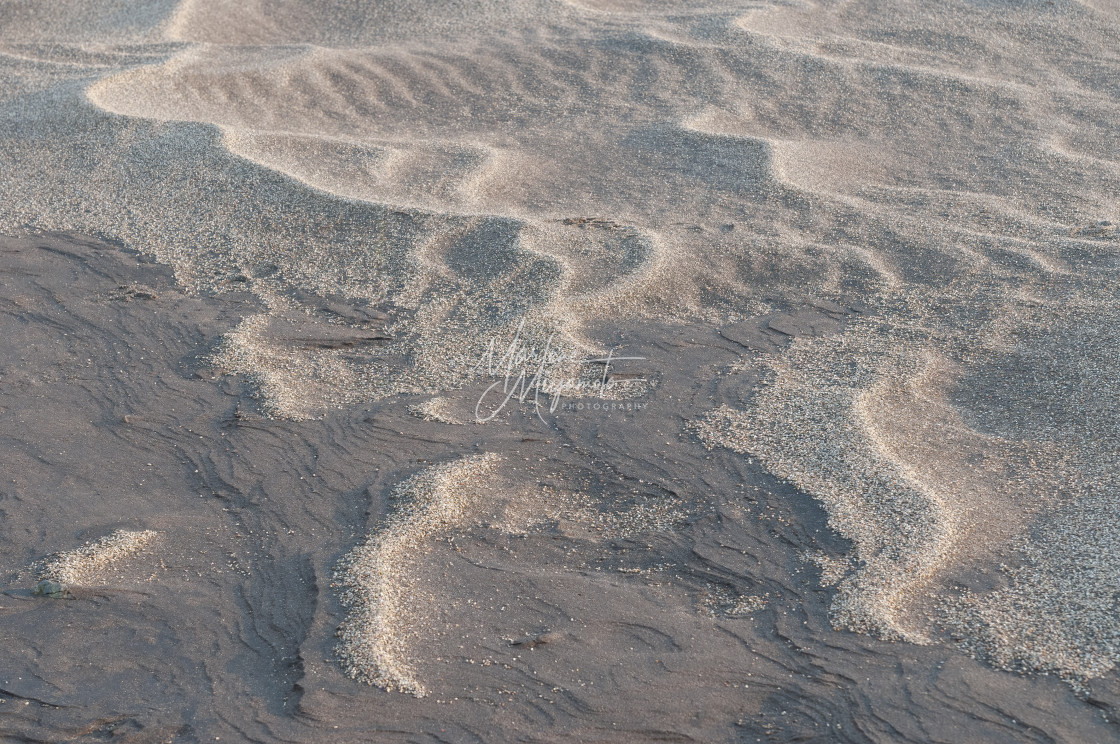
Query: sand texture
x,y
322,294
374,576
83,565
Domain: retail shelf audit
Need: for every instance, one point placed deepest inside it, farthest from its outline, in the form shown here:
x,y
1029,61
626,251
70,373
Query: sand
x,y
863,256
373,578
82,566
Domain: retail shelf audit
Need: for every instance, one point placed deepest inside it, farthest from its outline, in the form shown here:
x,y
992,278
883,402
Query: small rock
x,y
134,292
52,589
539,640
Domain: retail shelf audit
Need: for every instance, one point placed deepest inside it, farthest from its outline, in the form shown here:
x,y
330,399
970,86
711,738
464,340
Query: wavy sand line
x,y
897,530
589,125
981,494
374,580
543,271
866,413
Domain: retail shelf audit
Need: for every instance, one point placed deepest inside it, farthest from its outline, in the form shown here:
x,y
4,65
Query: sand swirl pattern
x,y
374,578
393,184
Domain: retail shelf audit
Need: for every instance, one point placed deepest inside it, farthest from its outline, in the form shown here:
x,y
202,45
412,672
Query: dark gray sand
x,y
858,480
534,627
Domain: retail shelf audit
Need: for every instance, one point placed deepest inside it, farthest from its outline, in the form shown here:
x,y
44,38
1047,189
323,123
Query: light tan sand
x,y
464,166
383,616
1058,612
932,463
86,565
381,582
435,409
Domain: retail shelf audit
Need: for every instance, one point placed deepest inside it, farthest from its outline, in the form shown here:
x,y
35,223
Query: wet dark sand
x,y
225,627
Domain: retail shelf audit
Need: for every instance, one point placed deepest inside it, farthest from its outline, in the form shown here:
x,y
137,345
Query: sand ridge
x,y
82,566
374,578
616,602
437,177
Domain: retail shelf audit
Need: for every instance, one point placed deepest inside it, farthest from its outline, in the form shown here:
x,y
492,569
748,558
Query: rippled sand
x,y
398,183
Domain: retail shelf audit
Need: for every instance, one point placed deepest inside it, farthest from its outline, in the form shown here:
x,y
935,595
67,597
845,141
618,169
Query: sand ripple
x,y
397,183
